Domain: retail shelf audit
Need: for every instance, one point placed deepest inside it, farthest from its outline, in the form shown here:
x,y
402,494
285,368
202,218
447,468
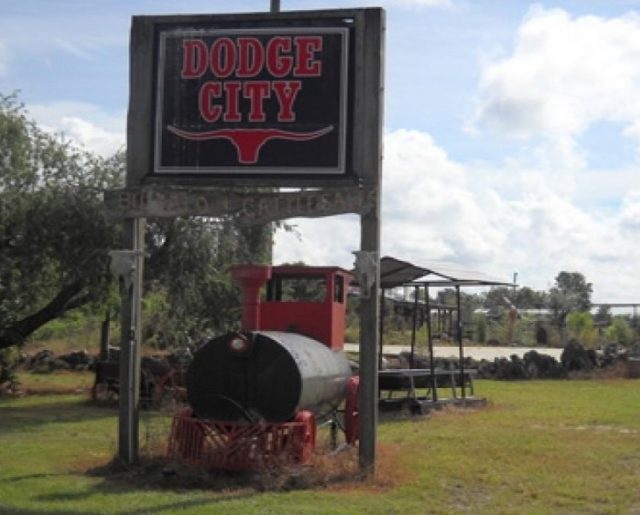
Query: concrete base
x,y
424,406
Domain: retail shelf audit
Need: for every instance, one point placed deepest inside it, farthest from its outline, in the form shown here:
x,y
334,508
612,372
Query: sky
x,y
511,128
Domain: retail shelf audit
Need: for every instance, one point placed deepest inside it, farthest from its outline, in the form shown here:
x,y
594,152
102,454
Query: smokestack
x,y
251,278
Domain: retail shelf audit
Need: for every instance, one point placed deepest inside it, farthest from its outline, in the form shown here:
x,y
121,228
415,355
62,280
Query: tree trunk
x,y
66,299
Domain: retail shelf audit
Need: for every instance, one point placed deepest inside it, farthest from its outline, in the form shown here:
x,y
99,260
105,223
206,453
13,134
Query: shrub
x,y
619,332
580,326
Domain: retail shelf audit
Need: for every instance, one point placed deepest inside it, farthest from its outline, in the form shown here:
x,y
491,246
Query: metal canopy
x,y
395,273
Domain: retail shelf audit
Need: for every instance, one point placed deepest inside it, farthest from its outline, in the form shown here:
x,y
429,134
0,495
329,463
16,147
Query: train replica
x,y
256,396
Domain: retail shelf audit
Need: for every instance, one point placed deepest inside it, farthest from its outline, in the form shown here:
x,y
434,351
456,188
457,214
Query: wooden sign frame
x,y
158,74
146,194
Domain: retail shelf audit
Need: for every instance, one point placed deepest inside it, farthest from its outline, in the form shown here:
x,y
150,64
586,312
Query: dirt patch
x,y
337,471
618,370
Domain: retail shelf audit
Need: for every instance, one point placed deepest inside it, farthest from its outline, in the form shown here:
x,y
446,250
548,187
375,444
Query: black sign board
x,y
252,101
236,99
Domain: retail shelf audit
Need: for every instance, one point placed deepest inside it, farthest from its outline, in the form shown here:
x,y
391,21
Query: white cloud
x,y
324,241
565,74
85,124
428,206
630,214
437,209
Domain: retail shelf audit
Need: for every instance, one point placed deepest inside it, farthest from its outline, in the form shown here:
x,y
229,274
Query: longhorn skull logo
x,y
248,142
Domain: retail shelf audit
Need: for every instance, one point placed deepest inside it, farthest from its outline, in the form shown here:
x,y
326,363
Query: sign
x,y
245,208
234,98
252,101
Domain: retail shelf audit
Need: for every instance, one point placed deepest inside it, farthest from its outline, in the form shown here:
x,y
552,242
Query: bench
x,y
409,380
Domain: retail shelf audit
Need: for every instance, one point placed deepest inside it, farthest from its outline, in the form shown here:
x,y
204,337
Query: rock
x,y
419,361
40,360
78,360
59,364
575,357
486,369
509,369
542,366
592,355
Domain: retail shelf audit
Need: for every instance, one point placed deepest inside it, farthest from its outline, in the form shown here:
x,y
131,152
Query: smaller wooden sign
x,y
246,208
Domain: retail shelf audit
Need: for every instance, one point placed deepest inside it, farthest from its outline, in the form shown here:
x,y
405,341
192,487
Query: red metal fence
x,y
241,446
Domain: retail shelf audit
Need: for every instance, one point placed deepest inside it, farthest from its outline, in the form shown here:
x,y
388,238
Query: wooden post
x,y
369,113
129,394
139,158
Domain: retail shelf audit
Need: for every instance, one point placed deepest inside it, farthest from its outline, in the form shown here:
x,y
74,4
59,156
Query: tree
x,y
571,293
500,298
189,260
53,236
526,298
54,240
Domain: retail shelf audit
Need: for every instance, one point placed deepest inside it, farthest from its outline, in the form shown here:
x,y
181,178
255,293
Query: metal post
x,y
275,6
128,423
416,290
451,329
432,366
459,337
368,152
381,330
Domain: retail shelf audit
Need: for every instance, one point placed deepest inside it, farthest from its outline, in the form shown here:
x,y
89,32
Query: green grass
x,y
539,447
59,381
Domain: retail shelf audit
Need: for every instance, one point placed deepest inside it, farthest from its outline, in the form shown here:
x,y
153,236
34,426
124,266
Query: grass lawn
x,y
59,381
539,447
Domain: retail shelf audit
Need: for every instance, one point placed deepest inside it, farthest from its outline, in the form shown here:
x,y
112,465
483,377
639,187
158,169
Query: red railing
x,y
223,445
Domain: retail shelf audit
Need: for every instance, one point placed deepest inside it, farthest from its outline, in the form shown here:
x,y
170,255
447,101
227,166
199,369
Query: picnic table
x,y
411,380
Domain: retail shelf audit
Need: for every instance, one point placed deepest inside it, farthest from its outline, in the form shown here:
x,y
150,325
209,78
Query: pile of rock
x,y
532,365
46,361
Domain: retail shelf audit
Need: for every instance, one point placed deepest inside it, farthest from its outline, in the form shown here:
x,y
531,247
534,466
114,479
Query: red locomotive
x,y
255,395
